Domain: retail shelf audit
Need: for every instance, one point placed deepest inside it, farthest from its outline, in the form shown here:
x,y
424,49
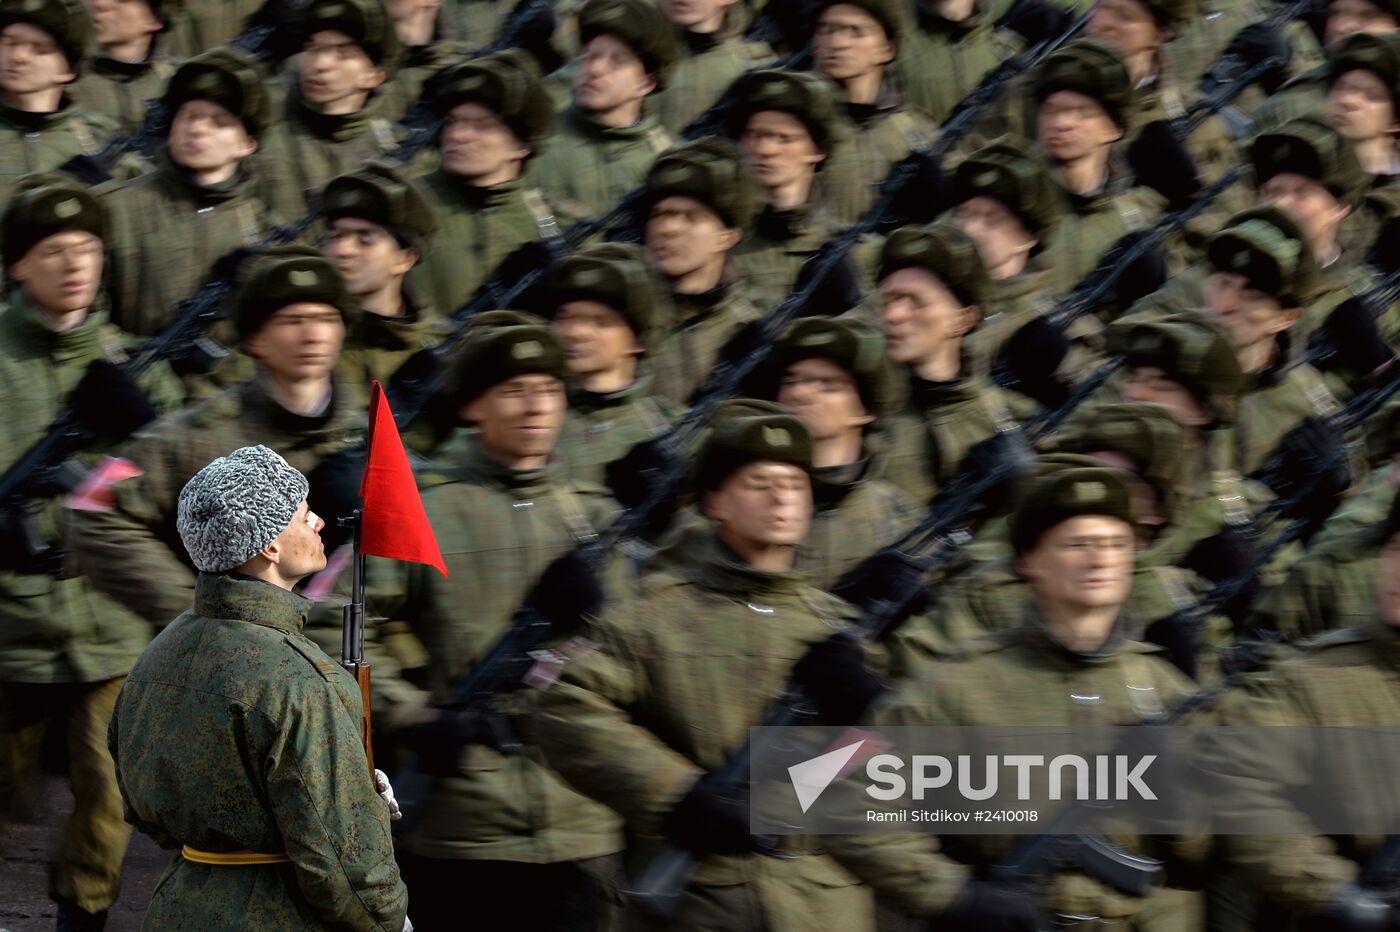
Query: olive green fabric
x,y
119,90
685,352
588,167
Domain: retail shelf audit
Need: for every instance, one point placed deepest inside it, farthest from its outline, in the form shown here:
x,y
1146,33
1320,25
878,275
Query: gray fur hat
x,y
236,506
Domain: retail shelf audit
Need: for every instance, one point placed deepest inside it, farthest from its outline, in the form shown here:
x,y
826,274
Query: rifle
x,y
352,636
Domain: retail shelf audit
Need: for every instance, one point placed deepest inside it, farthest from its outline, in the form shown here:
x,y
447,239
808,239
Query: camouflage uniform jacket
x,y
58,630
140,530
417,64
477,229
940,62
375,346
201,25
588,167
770,257
885,132
1020,676
119,90
684,354
498,529
41,142
708,65
474,23
856,513
602,426
1273,402
167,231
236,733
635,723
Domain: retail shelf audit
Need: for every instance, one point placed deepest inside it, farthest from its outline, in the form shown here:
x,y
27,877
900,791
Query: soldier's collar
x,y
242,598
582,399
107,66
30,122
716,567
25,325
333,125
831,484
1038,630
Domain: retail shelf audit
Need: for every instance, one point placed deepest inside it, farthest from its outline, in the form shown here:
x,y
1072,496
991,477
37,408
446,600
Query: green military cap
x,y
1011,172
65,20
1067,493
366,22
226,76
507,83
1145,433
1092,69
640,25
896,17
811,98
745,431
1267,248
851,344
381,193
46,205
1309,147
943,250
712,172
1377,52
1192,350
616,275
286,275
500,346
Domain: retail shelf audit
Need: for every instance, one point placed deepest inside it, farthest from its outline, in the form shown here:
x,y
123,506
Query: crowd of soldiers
x,y
1060,335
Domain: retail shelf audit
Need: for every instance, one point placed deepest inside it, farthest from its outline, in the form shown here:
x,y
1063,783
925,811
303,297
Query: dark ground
x,y
24,849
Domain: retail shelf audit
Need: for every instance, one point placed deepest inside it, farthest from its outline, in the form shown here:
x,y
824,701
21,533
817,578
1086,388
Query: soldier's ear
x,y
375,78
731,236
967,320
649,85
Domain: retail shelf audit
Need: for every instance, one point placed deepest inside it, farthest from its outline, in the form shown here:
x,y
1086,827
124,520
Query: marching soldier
x,y
606,139
1363,87
332,118
698,202
641,723
170,226
290,318
713,53
378,228
497,117
951,48
131,65
238,740
64,647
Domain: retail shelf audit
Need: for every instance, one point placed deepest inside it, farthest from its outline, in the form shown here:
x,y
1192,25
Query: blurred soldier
x,y
855,45
378,227
64,648
698,202
932,286
131,65
713,53
952,47
238,740
332,119
606,307
1363,106
42,43
606,139
170,226
418,25
788,126
1070,661
290,317
200,25
834,375
642,722
497,116
499,830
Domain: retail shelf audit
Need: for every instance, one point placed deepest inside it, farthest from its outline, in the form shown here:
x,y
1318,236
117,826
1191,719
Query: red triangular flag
x,y
393,523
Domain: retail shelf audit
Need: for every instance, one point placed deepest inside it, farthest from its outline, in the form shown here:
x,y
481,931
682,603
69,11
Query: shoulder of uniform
x,y
1142,647
1334,638
989,643
325,666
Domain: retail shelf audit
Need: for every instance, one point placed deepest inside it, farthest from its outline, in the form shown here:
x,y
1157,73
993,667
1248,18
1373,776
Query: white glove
x,y
386,793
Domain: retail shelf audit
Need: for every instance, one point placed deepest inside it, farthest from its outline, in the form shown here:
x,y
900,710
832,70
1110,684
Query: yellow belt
x,y
232,858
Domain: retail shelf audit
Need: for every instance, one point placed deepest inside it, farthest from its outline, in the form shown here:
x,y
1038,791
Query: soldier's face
x,y
1001,238
920,316
1151,385
481,147
1308,203
1348,17
1250,316
334,72
596,338
122,21
1071,125
763,504
31,61
1360,107
825,397
61,273
367,256
300,342
684,236
519,419
299,549
1083,563
702,16
610,75
779,149
1388,581
1127,25
850,42
204,137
